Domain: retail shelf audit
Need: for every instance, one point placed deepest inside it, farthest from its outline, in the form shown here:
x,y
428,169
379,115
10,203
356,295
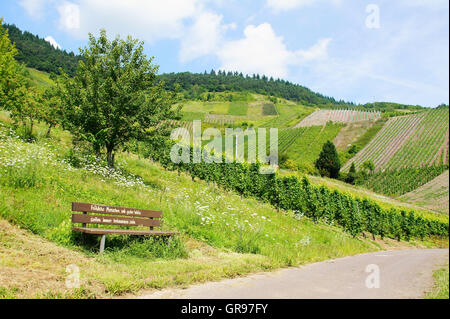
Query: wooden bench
x,y
119,216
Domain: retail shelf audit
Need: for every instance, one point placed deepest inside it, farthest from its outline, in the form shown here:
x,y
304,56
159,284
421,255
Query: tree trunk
x,y
49,130
110,156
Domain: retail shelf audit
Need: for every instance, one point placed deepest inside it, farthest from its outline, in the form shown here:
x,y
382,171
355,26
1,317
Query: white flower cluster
x,y
116,175
16,153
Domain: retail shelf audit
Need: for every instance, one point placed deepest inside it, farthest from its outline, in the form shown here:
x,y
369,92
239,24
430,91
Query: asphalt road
x,y
387,274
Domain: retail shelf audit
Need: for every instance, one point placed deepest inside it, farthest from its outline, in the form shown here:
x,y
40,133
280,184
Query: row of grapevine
x,y
220,119
354,215
388,140
287,137
429,141
416,140
321,117
401,181
306,146
433,195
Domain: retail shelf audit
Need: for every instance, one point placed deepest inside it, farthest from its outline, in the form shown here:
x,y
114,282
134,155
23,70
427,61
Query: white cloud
x,y
146,20
437,4
202,37
33,7
53,42
316,52
262,51
284,5
69,16
288,4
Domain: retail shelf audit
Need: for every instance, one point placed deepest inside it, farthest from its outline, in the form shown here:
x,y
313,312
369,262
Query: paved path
x,y
402,274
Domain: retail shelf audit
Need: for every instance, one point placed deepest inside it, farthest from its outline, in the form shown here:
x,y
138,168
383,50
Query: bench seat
x,y
105,231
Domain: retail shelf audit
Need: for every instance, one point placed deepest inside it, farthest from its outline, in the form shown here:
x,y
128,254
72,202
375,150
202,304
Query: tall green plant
x,y
113,97
328,162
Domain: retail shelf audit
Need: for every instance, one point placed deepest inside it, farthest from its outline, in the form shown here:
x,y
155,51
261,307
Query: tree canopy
x,y
328,162
113,97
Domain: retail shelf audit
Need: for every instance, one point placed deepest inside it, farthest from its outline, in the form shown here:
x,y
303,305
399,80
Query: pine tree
x,y
328,162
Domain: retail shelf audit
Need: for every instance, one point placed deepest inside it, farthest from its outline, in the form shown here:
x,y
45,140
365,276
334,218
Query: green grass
x,y
269,109
39,79
238,108
441,282
306,147
288,116
362,141
190,116
222,234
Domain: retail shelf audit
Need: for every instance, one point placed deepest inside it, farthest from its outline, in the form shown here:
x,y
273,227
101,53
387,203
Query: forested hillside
x,y
194,85
37,53
197,83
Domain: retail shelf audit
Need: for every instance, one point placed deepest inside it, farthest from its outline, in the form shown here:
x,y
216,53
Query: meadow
x,y
222,234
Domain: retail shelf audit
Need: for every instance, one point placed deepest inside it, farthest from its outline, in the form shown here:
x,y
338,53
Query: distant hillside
x,y
37,53
433,195
194,84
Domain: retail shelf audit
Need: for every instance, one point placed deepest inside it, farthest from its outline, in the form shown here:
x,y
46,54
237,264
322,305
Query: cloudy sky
x,y
355,50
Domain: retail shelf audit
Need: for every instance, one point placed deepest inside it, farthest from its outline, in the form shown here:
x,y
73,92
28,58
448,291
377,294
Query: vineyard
x,y
269,109
429,144
322,117
416,140
433,195
398,182
354,215
304,144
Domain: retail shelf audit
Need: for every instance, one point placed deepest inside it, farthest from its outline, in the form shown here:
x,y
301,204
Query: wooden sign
x,y
115,210
113,220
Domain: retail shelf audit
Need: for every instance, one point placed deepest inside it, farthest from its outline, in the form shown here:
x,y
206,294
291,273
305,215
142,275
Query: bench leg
x,y
102,244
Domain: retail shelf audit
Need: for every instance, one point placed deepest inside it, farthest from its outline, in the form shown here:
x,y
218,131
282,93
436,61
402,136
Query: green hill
x,y
37,53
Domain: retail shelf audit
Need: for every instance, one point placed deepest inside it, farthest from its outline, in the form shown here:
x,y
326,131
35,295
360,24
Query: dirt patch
x,y
350,134
31,267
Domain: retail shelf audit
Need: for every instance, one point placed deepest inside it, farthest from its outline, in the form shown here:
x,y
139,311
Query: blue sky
x,y
355,50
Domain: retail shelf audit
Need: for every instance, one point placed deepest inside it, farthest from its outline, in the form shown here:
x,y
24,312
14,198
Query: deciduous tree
x,y
113,97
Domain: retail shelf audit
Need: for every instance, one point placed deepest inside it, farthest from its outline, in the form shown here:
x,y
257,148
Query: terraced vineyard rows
x,y
408,141
433,195
287,137
429,144
183,124
322,117
219,119
388,140
303,145
401,181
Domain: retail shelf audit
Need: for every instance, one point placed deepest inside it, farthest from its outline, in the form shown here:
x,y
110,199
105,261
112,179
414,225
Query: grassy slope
x,y
39,78
222,234
307,147
441,283
433,195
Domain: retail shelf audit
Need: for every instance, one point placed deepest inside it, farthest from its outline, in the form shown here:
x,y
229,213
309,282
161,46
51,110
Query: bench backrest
x,y
121,216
